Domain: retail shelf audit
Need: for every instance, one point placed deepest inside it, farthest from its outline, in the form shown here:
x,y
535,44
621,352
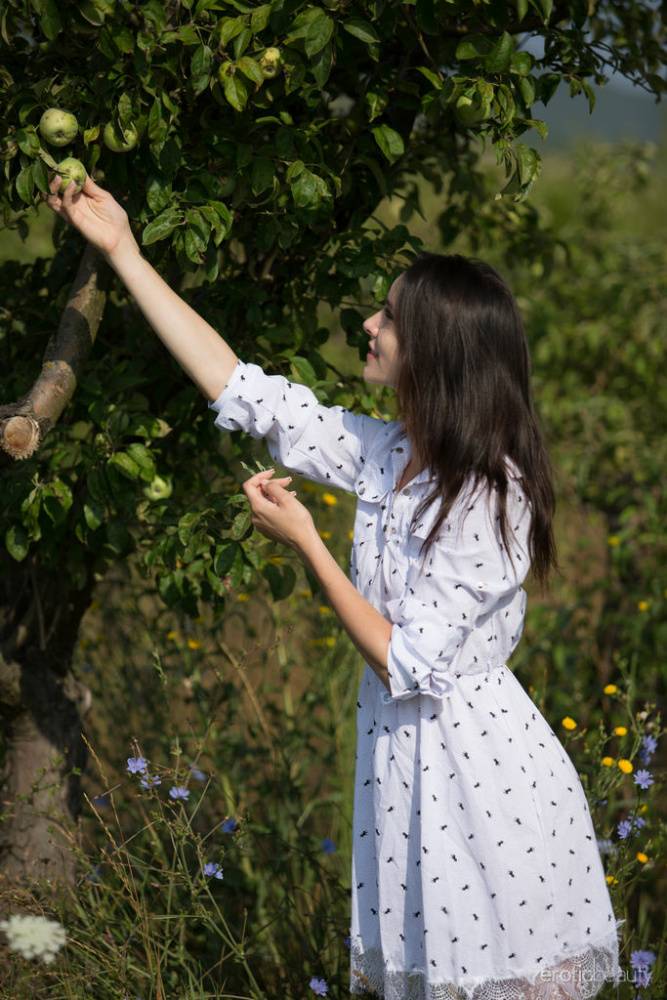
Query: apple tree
x,y
250,145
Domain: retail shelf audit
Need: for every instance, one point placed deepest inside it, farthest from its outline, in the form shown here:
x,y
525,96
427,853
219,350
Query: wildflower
x,y
101,801
611,880
641,857
610,689
639,822
324,609
569,723
626,766
605,845
613,540
243,597
136,765
325,535
213,870
172,635
641,962
229,825
328,846
196,773
620,731
319,987
643,778
643,605
34,937
330,641
194,644
648,748
347,941
304,593
624,828
350,535
607,761
329,499
150,781
179,792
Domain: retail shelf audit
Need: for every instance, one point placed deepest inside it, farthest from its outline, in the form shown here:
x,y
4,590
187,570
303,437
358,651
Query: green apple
x,y
158,488
270,63
468,111
71,169
58,127
113,139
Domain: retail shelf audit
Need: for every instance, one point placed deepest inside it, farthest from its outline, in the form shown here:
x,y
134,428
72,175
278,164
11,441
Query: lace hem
x,y
576,975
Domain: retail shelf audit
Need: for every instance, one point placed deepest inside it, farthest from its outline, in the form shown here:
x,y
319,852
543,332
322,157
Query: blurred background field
x,y
257,717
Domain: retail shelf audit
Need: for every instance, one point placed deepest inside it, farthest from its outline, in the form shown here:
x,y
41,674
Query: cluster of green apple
x,y
60,127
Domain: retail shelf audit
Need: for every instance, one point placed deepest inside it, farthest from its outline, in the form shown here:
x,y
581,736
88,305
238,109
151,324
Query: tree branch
x,y
25,423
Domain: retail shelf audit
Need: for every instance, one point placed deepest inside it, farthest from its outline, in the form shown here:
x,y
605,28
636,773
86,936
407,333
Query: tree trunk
x,y
41,708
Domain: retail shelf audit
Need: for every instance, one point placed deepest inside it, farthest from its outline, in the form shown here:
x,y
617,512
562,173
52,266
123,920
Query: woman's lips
x,y
371,355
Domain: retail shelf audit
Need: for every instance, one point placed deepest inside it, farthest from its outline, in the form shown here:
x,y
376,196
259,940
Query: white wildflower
x,y
34,937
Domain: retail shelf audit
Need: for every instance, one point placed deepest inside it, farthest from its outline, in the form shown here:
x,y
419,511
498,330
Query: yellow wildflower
x,y
642,857
643,807
330,641
172,636
304,593
612,880
643,605
329,499
620,731
613,540
350,535
607,761
610,689
569,723
308,487
325,535
243,597
324,609
194,644
625,766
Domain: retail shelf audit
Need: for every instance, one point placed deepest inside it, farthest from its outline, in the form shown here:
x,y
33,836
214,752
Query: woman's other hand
x,y
94,212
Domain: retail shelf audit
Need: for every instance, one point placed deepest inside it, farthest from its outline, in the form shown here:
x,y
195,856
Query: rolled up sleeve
x,y
327,444
460,585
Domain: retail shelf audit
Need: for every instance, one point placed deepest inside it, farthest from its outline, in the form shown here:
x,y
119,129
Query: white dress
x,y
476,873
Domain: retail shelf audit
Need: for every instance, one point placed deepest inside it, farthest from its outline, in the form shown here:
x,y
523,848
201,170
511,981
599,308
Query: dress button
x,y
362,489
393,531
406,493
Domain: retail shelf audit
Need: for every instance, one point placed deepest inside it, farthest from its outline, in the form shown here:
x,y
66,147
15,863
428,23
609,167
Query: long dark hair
x,y
463,392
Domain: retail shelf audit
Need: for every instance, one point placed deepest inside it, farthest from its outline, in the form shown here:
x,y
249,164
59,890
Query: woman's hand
x,y
275,511
94,212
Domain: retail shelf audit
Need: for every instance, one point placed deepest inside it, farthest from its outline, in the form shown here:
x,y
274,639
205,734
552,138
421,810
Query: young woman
x,y
476,872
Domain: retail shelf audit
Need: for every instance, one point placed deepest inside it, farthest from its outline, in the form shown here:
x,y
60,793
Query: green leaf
x,y
140,454
162,226
473,47
303,370
17,542
522,63
527,89
319,32
240,524
361,29
125,464
49,20
158,192
236,92
224,557
241,43
41,176
28,141
499,58
389,141
376,103
200,68
25,184
430,76
280,580
260,18
250,68
261,178
546,6
93,514
521,9
309,189
230,27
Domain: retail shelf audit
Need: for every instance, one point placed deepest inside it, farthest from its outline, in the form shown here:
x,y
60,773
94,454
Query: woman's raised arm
x,y
199,349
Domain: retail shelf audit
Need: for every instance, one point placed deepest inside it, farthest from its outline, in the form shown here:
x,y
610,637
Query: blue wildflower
x,y
328,846
213,870
136,765
229,825
197,774
643,778
319,986
150,781
624,828
347,941
648,748
605,845
101,801
179,792
639,822
641,962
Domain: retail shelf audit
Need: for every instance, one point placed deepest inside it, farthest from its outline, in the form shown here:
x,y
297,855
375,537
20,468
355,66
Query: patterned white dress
x,y
476,873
